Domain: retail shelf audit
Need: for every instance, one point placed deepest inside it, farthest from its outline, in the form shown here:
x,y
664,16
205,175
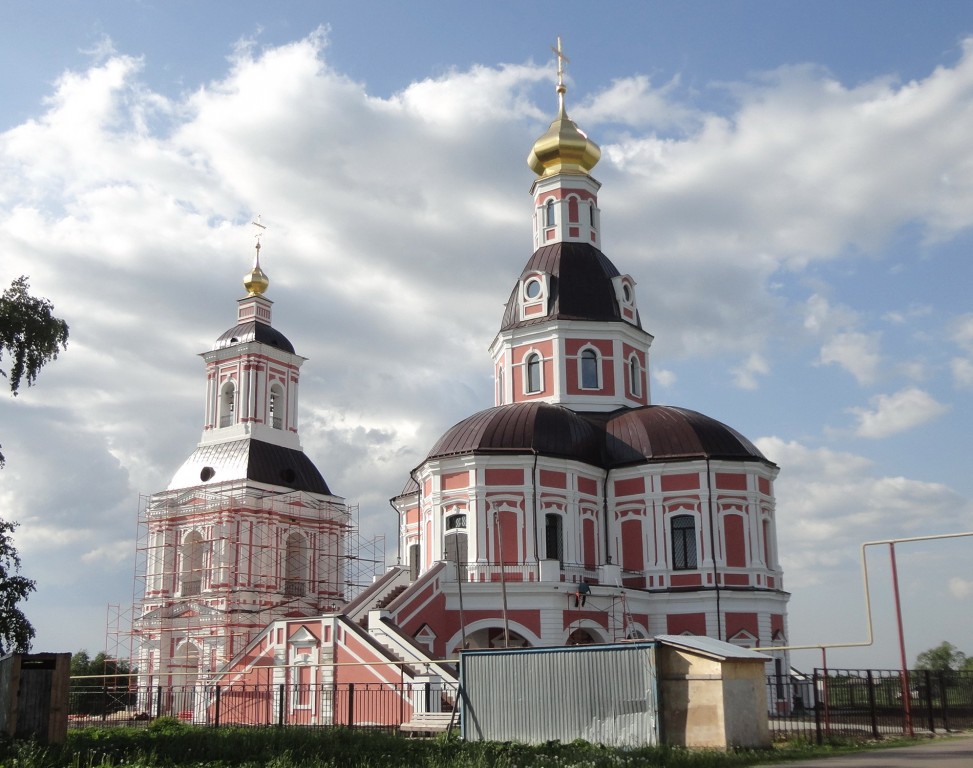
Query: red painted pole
x,y
906,695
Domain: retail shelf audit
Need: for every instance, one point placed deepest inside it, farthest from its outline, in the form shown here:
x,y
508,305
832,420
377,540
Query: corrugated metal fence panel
x,y
603,694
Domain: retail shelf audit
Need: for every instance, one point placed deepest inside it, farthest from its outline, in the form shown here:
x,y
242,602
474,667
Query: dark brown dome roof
x,y
667,433
581,285
551,430
622,438
254,330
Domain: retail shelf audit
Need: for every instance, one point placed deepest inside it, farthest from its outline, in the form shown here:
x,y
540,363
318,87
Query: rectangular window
x,y
683,542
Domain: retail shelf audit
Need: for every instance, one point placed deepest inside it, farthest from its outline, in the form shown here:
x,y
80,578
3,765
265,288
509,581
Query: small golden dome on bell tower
x,y
256,281
564,148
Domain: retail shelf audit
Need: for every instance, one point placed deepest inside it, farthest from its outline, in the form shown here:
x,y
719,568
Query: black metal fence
x,y
826,705
361,705
869,703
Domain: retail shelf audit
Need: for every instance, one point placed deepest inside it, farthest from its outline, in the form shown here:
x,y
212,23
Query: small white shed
x,y
712,694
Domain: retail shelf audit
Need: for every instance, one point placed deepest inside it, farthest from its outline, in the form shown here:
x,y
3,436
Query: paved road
x,y
938,753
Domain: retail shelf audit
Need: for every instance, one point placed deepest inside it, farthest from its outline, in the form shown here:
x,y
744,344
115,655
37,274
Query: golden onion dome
x,y
256,281
564,148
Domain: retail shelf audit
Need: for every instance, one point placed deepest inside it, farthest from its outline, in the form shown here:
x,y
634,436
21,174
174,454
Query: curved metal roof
x,y
249,459
668,433
629,436
552,430
254,331
581,285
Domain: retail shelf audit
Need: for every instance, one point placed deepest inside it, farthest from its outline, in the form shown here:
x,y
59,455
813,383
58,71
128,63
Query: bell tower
x,y
248,530
571,333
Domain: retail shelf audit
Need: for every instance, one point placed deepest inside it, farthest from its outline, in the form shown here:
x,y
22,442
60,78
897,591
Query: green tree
x,y
16,633
99,685
944,656
100,671
30,335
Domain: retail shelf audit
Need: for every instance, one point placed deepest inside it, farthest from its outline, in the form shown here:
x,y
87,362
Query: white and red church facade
x,y
573,482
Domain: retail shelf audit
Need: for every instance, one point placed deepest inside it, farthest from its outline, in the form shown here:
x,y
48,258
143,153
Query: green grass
x,y
167,743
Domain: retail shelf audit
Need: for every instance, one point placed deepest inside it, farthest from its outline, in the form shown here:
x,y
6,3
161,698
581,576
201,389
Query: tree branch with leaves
x,y
30,335
16,632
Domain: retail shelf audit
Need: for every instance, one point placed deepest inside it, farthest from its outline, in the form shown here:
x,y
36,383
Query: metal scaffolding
x,y
213,567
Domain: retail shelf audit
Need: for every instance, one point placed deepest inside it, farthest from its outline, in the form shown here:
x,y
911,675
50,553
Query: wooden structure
x,y
34,696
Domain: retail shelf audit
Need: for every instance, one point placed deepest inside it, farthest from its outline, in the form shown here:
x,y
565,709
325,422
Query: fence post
x,y
819,737
351,705
872,713
158,701
280,704
216,704
932,720
944,698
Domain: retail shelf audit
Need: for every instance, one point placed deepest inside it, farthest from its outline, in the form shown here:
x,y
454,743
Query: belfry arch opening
x,y
275,407
227,404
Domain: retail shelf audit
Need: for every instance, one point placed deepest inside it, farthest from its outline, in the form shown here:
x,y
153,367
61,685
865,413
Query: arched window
x,y
683,542
191,566
413,562
455,543
534,373
295,566
500,393
591,214
589,369
554,537
227,403
549,214
635,376
276,406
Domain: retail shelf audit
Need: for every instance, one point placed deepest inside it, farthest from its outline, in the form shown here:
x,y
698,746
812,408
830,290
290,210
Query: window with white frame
x,y
635,375
533,366
455,542
554,537
683,531
590,369
295,565
191,570
549,214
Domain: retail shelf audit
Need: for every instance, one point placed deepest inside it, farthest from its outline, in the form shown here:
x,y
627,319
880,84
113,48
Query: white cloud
x,y
898,412
963,332
664,378
961,589
856,352
830,502
746,375
962,369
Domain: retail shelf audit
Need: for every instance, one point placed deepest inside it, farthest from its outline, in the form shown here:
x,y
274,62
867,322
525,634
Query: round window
x,y
207,474
533,289
627,293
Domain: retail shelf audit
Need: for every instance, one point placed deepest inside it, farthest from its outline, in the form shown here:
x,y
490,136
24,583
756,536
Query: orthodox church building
x,y
572,511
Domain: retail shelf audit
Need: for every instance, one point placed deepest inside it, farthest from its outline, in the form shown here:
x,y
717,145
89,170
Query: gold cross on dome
x,y
260,230
561,59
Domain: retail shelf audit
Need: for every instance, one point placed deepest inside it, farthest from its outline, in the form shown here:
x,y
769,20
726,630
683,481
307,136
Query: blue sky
x,y
791,184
